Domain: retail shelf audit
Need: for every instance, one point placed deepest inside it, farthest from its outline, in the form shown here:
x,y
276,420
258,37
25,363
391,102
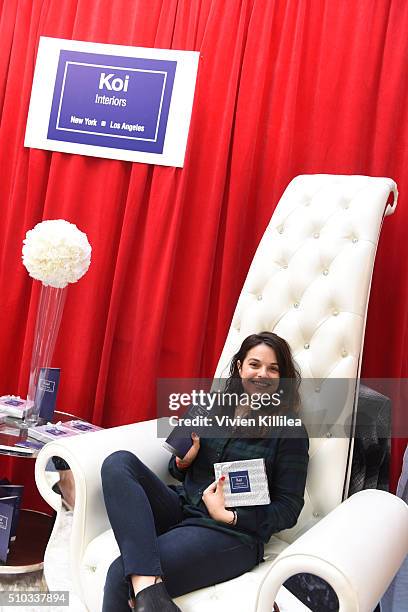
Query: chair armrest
x,y
85,454
357,548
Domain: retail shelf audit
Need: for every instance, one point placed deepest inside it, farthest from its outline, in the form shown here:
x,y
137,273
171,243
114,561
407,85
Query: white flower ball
x,y
56,253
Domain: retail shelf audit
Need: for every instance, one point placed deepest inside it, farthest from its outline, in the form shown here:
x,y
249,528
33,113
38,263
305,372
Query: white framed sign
x,y
119,102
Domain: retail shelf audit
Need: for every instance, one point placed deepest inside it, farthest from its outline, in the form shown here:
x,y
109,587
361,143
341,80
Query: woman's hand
x,y
189,457
213,497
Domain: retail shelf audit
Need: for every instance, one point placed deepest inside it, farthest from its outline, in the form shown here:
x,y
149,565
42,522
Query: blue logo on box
x,y
3,521
82,426
13,402
46,385
112,101
239,482
56,432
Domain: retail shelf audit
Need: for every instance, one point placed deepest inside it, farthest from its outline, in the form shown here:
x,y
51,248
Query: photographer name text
x,y
237,421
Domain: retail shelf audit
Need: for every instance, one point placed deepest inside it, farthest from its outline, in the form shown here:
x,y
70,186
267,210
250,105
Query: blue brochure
x,y
179,441
16,491
6,518
46,392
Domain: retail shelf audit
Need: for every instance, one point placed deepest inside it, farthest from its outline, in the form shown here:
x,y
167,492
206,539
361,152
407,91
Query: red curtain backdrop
x,y
284,87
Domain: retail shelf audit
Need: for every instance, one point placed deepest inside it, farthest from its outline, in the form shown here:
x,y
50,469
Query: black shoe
x,y
58,491
155,598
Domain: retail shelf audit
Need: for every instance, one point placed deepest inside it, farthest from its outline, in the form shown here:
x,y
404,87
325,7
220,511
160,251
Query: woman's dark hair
x,y
288,372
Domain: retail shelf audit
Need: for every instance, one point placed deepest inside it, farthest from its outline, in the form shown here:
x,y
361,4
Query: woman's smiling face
x,y
260,370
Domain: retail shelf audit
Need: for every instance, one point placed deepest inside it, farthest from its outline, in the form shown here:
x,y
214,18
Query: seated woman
x,y
174,539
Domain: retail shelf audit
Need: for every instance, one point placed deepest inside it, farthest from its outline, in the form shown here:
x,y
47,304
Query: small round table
x,y
34,528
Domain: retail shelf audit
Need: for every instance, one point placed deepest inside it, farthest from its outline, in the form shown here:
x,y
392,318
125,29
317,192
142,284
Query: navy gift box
x,y
10,490
7,505
46,392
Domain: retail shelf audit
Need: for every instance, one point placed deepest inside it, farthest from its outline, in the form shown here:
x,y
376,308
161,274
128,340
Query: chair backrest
x,y
309,282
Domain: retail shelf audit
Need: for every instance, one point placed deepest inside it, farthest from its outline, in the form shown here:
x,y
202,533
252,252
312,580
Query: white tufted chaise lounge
x,y
309,282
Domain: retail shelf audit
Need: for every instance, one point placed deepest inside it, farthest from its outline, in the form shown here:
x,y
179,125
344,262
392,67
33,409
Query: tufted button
x,y
316,235
307,345
317,390
335,312
92,569
316,514
280,229
296,305
354,240
284,266
259,297
329,434
344,353
325,272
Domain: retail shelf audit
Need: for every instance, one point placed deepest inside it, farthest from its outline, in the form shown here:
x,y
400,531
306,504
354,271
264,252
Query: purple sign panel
x,y
111,101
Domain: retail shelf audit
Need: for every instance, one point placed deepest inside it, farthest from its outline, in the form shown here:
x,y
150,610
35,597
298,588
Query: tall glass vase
x,y
49,313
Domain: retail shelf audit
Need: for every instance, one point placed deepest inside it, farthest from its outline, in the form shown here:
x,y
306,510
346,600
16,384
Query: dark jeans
x,y
141,510
60,464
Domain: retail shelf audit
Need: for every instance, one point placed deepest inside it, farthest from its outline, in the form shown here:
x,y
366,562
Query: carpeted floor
x,y
21,582
34,581
55,578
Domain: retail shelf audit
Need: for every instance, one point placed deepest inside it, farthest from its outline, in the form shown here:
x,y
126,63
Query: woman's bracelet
x,y
235,517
